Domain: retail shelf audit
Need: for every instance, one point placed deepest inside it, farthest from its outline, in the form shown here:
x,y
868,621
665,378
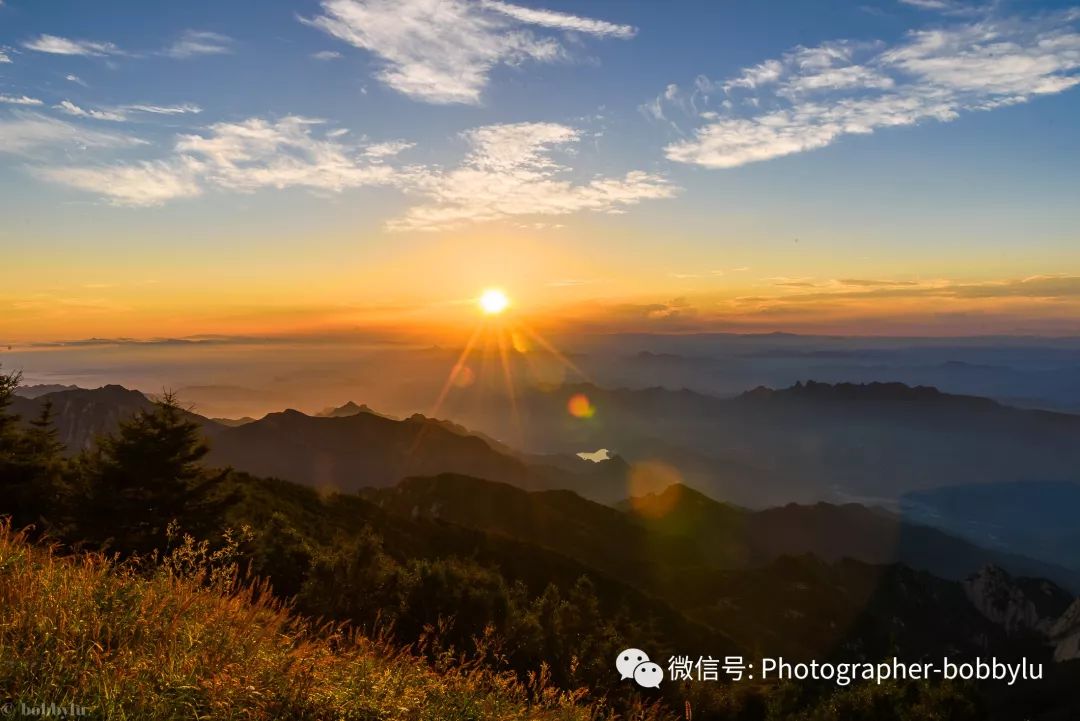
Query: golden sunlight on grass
x,y
176,641
493,301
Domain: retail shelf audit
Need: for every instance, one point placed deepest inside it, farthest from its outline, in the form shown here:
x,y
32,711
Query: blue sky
x,y
925,139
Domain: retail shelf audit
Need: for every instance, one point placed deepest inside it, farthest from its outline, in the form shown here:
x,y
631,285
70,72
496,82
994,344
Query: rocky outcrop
x,y
1065,634
1020,605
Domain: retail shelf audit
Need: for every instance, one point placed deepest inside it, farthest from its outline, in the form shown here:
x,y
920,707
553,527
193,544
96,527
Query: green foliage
x,y
134,483
354,579
31,462
9,435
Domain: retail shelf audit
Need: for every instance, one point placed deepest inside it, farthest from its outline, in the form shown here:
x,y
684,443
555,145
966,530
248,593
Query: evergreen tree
x,y
8,422
42,439
34,477
30,463
147,474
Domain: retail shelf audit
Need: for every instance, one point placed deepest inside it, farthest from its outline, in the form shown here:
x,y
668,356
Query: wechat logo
x,y
634,663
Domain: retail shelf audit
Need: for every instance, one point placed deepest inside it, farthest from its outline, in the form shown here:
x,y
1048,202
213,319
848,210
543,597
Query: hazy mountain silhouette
x,y
351,409
352,452
809,442
652,539
347,452
83,414
41,389
1037,518
233,422
804,442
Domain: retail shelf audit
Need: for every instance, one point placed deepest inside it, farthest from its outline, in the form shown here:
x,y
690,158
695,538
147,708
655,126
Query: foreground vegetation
x,y
184,640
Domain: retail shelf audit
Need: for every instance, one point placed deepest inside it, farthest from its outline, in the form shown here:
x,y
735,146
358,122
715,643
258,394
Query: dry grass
x,y
164,644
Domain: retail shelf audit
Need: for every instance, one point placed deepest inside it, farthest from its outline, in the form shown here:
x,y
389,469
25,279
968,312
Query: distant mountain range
x,y
1034,518
345,451
350,452
81,415
36,391
802,435
812,441
351,409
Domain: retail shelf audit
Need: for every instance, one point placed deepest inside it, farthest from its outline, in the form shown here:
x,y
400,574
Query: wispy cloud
x,y
183,109
194,43
443,51
387,149
66,106
4,57
31,134
561,21
327,55
510,171
135,184
947,7
123,113
56,45
811,97
243,156
19,100
287,153
1040,287
927,4
75,79
28,133
873,282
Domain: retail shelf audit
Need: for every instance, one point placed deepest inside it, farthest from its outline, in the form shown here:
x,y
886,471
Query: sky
x,y
313,166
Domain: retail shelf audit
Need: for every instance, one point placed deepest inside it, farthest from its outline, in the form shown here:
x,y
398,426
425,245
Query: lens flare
x,y
580,406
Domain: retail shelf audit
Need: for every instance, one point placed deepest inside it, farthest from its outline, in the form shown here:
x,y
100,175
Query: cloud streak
x,y
136,184
19,100
443,51
56,45
194,43
66,106
510,171
28,133
243,157
562,21
811,97
1039,287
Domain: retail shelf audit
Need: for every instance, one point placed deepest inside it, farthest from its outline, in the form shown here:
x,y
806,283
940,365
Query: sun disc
x,y
493,301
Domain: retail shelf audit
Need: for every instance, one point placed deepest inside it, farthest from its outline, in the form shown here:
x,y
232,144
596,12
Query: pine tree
x,y
31,464
147,474
42,439
8,423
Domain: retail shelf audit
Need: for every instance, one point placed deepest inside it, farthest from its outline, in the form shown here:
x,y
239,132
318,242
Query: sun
x,y
493,301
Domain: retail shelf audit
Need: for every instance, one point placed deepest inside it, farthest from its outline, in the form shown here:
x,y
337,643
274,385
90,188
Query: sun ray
x,y
454,370
493,336
509,378
543,343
